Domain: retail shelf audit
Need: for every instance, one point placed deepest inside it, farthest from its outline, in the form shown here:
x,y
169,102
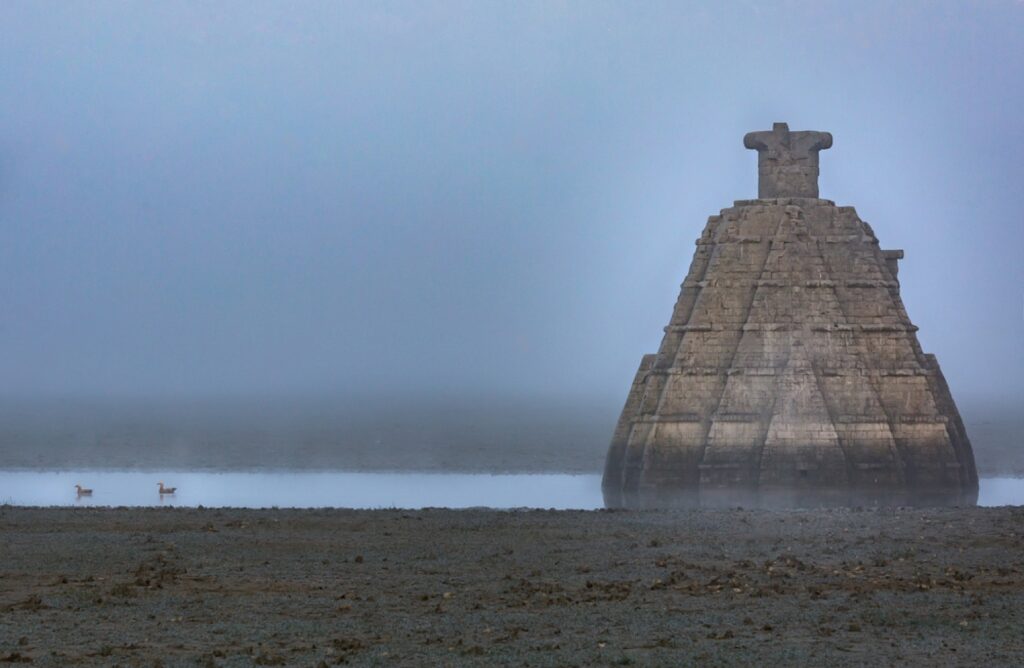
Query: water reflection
x,y
341,489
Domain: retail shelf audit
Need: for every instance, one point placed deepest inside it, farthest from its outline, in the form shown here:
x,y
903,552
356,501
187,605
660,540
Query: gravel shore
x,y
219,587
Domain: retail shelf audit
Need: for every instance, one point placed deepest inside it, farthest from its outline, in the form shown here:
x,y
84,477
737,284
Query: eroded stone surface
x,y
787,162
789,364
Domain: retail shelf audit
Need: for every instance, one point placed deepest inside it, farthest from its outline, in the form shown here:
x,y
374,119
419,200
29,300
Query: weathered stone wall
x,y
789,363
787,162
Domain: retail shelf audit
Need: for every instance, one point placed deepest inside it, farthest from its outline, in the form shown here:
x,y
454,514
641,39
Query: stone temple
x,y
789,373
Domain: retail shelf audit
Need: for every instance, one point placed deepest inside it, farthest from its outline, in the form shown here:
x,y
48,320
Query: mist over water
x,y
367,283
439,236
403,433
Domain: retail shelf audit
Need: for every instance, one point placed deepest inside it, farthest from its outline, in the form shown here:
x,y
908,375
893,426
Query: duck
x,y
82,491
166,490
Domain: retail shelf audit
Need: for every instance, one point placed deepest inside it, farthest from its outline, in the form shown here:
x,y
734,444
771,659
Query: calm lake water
x,y
335,489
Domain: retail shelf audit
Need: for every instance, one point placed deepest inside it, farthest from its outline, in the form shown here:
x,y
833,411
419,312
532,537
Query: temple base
x,y
787,498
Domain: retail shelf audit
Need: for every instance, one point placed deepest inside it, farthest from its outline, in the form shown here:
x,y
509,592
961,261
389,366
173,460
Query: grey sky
x,y
263,197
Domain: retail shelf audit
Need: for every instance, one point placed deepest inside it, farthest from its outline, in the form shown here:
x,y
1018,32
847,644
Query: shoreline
x,y
407,490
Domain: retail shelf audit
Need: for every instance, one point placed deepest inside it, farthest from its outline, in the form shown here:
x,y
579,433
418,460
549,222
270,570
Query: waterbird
x,y
166,490
82,491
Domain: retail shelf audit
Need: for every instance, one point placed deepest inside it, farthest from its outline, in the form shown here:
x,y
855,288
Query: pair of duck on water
x,y
85,491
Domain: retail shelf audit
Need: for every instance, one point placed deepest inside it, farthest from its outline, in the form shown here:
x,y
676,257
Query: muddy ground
x,y
143,587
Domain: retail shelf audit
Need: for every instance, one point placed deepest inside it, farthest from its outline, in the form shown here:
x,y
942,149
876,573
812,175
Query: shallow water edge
x,y
340,489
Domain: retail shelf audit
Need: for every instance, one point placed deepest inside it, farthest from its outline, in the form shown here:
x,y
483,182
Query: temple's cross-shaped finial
x,y
787,162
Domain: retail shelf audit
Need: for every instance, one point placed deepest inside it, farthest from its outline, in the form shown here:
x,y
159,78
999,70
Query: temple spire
x,y
787,162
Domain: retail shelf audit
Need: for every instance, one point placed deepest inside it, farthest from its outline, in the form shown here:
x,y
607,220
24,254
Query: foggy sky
x,y
259,197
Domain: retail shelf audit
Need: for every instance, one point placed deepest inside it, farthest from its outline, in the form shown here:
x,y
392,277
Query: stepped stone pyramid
x,y
790,372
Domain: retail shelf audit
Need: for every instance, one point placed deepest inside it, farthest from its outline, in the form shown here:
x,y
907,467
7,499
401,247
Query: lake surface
x,y
334,489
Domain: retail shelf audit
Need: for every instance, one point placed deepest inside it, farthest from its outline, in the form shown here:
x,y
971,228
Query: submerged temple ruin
x,y
789,373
